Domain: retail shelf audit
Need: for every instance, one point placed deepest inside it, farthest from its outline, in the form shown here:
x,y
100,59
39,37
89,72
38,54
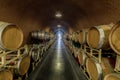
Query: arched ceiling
x,y
80,12
39,14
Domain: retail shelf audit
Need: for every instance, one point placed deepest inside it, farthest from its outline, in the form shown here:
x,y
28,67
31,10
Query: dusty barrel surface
x,y
82,36
114,38
112,76
97,37
98,70
82,58
6,75
11,36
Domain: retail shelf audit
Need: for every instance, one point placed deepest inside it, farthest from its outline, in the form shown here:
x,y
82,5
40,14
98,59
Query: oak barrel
x,y
18,66
94,69
34,34
23,65
40,35
11,36
6,75
76,51
82,36
98,70
112,76
74,36
97,37
34,53
82,58
114,38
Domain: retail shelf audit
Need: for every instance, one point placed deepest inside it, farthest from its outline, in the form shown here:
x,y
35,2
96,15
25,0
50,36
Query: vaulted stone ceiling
x,y
39,14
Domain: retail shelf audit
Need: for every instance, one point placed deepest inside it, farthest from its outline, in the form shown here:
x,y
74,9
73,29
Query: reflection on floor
x,y
58,65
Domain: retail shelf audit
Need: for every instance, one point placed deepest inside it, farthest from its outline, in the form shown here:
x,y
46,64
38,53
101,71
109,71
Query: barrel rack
x,y
90,52
11,60
99,57
14,55
37,52
19,54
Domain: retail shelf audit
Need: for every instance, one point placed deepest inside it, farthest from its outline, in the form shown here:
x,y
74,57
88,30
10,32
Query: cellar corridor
x,y
59,39
58,65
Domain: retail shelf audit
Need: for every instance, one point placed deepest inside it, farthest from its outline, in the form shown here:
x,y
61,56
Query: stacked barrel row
x,y
37,53
37,50
42,35
98,59
14,62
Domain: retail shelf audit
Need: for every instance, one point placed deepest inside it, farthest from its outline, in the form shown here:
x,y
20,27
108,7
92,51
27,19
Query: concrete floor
x,y
58,65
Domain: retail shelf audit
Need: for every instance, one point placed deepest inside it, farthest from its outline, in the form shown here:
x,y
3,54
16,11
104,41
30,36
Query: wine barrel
x,y
76,51
34,53
112,76
23,65
6,75
71,49
70,36
94,69
40,35
82,58
34,34
47,36
97,70
74,36
11,36
114,38
51,36
82,36
20,66
97,37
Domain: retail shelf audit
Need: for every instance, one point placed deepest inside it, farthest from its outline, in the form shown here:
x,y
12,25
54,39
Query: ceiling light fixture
x,y
58,14
58,25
